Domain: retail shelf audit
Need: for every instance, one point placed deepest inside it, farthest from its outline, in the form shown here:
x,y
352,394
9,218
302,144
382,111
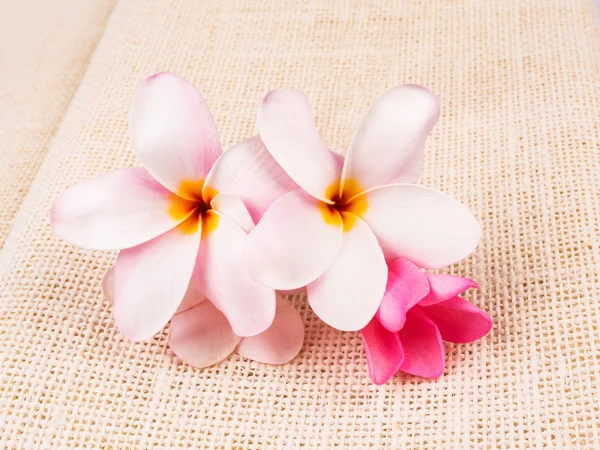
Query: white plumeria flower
x,y
202,336
185,213
335,233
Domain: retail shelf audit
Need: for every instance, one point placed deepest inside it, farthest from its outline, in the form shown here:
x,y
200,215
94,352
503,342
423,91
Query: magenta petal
x,y
406,285
422,345
383,350
443,287
459,321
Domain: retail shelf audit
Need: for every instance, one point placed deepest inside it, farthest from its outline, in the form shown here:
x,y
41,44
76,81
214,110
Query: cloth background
x,y
45,47
517,142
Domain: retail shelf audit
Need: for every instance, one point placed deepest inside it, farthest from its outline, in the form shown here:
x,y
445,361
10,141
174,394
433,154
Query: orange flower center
x,y
346,206
192,212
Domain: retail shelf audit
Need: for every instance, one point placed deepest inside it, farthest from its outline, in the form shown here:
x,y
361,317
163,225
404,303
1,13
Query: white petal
x,y
233,208
152,279
117,210
294,243
173,133
287,128
201,336
222,277
388,144
281,342
248,171
350,291
424,226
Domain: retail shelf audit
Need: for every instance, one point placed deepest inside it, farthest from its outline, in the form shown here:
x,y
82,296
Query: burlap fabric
x,y
517,142
45,48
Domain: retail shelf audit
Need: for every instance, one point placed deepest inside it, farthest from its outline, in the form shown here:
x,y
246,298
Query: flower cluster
x,y
211,241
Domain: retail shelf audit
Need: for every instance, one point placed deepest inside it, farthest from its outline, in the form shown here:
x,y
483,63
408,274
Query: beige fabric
x,y
517,142
45,47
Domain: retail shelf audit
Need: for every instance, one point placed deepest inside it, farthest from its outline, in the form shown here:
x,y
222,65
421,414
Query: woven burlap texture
x,y
45,48
517,142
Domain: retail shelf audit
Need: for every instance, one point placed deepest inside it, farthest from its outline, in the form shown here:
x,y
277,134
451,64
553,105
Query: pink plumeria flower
x,y
335,233
418,312
185,213
202,336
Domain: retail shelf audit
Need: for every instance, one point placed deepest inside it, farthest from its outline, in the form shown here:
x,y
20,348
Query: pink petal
x,y
108,285
388,144
287,128
191,298
120,209
383,350
406,285
222,277
350,291
293,244
173,133
427,227
444,287
152,279
459,321
201,336
232,207
422,345
248,171
281,342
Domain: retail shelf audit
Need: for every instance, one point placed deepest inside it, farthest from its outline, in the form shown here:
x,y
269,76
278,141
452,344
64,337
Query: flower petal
x,y
232,207
248,171
425,226
152,279
201,336
117,210
294,243
459,321
350,291
281,342
383,350
422,345
173,133
388,144
221,276
108,285
444,287
191,298
406,285
287,128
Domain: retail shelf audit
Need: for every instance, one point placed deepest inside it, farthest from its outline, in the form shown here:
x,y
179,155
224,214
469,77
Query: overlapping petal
x,y
422,345
383,350
286,126
152,279
459,321
233,207
350,291
388,144
173,133
281,342
444,287
406,286
425,226
248,171
222,277
120,209
294,243
201,336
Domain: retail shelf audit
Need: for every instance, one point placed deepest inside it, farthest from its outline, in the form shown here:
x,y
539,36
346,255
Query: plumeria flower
x,y
336,231
185,213
418,312
202,336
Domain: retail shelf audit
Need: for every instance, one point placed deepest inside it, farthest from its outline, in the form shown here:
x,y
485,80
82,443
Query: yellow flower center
x,y
195,211
346,207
